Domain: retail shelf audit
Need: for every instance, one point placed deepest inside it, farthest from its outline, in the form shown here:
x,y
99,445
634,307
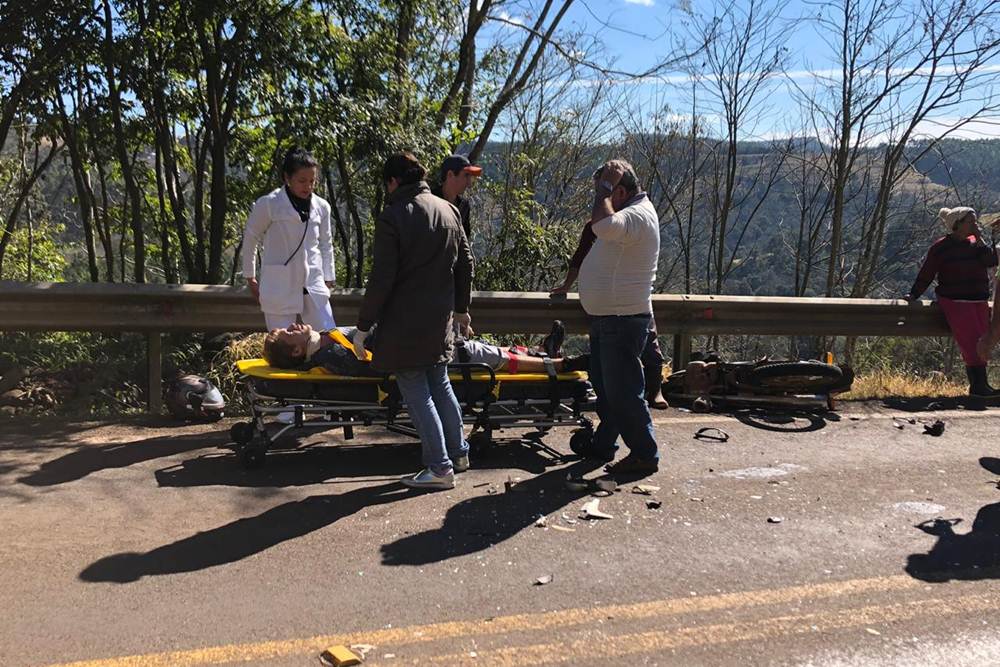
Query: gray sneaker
x,y
460,463
426,479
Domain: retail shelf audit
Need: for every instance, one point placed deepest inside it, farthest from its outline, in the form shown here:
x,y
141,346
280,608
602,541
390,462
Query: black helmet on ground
x,y
191,397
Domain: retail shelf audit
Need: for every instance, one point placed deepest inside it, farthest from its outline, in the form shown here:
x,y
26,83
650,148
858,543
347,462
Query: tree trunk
x,y
128,172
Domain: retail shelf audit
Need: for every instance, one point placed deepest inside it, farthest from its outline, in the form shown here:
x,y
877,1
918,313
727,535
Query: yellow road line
x,y
608,646
515,623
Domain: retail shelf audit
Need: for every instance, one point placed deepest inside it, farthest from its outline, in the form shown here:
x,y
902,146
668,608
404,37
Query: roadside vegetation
x,y
135,136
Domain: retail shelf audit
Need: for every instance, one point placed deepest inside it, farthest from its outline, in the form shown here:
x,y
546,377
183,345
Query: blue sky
x,y
640,33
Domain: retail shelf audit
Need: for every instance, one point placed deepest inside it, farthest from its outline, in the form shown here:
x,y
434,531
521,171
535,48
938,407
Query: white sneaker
x,y
427,479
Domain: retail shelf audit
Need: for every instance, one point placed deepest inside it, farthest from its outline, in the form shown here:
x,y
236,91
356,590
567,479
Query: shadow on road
x,y
316,462
245,537
930,404
478,523
294,467
781,421
970,556
88,459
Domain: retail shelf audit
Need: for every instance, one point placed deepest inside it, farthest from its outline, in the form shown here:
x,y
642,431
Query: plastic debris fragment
x,y
590,510
935,429
711,433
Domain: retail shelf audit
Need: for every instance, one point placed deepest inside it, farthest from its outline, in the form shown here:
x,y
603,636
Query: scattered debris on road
x,y
608,485
645,489
339,656
563,528
590,510
775,519
711,433
654,504
935,429
362,649
541,522
544,579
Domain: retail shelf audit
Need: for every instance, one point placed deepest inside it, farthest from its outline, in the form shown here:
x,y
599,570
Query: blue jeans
x,y
436,415
616,346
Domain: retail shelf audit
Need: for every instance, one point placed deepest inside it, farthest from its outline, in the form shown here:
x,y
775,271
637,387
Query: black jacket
x,y
421,272
464,209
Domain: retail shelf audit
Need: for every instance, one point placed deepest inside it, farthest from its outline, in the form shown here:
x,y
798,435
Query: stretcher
x,y
319,400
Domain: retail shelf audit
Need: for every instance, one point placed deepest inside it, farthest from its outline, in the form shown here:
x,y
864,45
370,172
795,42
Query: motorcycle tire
x,y
796,376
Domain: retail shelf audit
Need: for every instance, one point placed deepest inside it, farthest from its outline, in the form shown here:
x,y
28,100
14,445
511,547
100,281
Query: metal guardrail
x,y
156,309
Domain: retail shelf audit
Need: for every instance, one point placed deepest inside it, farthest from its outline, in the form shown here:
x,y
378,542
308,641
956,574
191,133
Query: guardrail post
x,y
682,352
154,372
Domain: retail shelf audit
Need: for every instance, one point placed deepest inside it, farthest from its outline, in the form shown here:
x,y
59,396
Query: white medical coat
x,y
275,226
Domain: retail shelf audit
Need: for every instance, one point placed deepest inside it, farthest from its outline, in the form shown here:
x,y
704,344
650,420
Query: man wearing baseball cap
x,y
457,174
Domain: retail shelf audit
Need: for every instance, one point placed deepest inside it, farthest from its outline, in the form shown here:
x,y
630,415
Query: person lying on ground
x,y
299,346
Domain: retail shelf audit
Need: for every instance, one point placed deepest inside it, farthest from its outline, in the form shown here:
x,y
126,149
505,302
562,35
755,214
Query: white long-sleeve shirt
x,y
616,277
276,228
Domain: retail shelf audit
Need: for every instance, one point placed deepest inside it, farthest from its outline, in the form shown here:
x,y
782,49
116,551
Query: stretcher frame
x,y
479,389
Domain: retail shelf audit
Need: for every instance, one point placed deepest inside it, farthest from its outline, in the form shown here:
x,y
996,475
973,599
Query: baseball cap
x,y
459,163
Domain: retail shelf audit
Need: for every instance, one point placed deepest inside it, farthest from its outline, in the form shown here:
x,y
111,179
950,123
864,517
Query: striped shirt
x,y
960,268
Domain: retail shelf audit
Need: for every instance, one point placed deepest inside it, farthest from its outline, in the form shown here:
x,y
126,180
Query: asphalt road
x,y
800,543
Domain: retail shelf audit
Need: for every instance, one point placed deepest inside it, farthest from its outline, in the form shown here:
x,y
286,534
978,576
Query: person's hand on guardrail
x,y
559,291
254,288
358,341
464,322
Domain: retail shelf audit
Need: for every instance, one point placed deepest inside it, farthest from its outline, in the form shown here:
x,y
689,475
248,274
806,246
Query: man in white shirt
x,y
616,284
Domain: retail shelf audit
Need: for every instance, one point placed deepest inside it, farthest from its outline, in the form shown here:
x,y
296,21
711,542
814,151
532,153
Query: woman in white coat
x,y
291,226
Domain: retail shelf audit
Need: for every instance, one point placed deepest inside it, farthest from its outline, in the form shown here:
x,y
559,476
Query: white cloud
x,y
509,18
644,3
957,128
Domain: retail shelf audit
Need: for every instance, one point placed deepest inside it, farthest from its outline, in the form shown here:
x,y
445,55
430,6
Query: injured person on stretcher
x,y
300,347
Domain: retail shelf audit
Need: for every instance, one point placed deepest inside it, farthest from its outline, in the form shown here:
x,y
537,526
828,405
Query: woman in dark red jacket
x,y
960,262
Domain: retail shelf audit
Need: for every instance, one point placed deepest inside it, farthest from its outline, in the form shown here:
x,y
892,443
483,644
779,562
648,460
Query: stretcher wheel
x,y
241,433
480,443
252,456
582,441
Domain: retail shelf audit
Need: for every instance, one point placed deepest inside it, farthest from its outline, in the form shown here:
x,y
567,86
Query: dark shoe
x,y
978,383
552,344
579,363
631,465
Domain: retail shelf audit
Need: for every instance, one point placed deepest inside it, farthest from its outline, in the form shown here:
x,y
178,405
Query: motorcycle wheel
x,y
796,376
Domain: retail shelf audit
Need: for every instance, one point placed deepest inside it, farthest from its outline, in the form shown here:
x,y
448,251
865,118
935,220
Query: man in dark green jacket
x,y
421,274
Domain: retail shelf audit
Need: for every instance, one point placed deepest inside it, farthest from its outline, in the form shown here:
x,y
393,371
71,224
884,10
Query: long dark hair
x,y
404,167
297,158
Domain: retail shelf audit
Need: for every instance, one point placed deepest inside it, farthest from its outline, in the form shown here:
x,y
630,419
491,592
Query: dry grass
x,y
224,366
886,384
